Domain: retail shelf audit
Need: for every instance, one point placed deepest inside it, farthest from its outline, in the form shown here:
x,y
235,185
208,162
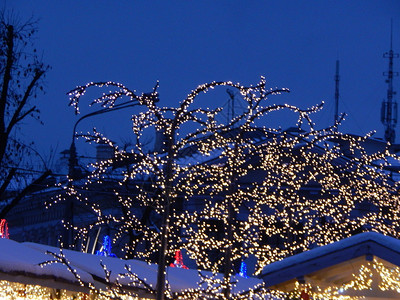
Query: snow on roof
x,y
368,244
92,264
23,259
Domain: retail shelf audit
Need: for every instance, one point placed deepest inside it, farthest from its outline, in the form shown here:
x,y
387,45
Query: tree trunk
x,y
4,90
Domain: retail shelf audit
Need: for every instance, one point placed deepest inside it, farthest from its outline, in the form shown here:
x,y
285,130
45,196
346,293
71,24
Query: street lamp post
x,y
74,171
73,159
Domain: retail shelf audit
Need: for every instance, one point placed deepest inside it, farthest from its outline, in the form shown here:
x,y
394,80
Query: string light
x,y
386,279
19,291
243,270
106,247
245,190
4,229
178,262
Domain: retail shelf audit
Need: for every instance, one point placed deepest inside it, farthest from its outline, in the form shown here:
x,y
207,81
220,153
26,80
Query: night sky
x,y
294,44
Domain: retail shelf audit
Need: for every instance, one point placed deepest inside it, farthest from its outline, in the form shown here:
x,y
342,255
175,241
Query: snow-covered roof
x,y
20,262
364,244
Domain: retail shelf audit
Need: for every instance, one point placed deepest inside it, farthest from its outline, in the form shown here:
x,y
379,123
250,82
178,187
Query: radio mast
x,y
337,78
389,106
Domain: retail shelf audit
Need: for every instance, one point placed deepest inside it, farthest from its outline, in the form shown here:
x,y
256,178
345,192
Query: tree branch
x,y
16,116
28,189
7,181
32,109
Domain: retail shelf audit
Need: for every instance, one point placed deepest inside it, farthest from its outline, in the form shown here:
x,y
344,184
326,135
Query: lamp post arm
x,y
73,156
102,111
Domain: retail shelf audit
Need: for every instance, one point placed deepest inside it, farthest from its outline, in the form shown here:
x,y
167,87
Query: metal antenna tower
x,y
231,105
389,106
337,77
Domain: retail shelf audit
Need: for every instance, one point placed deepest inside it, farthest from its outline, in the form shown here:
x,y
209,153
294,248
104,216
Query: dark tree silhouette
x,y
21,79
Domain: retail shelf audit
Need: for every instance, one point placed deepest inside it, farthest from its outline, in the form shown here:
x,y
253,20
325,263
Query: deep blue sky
x,y
185,43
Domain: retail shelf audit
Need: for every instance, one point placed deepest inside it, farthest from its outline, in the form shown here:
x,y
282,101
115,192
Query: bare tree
x,y
158,176
248,182
21,76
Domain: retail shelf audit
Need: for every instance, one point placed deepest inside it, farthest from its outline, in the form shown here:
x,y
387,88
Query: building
x,y
364,266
